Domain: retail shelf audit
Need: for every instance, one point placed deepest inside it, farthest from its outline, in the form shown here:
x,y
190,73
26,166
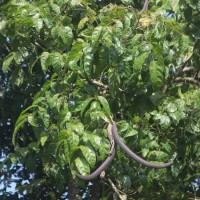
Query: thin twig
x,y
7,48
103,86
40,46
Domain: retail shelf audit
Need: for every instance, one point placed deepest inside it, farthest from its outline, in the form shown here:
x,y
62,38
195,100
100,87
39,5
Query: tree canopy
x,y
70,67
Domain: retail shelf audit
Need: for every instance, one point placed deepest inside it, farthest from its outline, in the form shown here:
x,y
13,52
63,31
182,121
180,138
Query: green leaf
x,y
105,105
89,155
32,120
123,126
160,156
107,38
55,8
79,128
164,120
104,150
186,48
127,2
103,116
76,51
7,61
96,34
135,43
20,122
87,60
18,57
131,133
57,61
13,158
95,141
34,146
83,22
158,52
171,108
175,5
76,2
2,27
82,107
138,63
45,61
82,166
44,116
153,144
38,24
145,152
156,75
71,138
23,151
114,82
95,106
66,34
43,138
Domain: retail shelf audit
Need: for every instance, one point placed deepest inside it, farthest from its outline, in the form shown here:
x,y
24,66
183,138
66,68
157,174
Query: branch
x,y
187,80
115,189
182,70
105,87
188,69
99,84
145,7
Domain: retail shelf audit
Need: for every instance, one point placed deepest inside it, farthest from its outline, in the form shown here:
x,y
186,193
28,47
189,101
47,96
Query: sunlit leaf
x,y
105,105
7,62
55,8
89,155
45,61
96,34
82,166
32,120
38,23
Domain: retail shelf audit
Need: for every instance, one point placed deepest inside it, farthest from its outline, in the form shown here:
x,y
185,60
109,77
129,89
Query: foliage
x,y
80,63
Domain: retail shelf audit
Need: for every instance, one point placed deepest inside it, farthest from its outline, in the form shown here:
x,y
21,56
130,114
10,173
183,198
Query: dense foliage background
x,y
68,67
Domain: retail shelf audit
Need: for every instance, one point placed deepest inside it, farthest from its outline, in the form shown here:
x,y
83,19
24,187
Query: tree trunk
x,y
96,190
73,190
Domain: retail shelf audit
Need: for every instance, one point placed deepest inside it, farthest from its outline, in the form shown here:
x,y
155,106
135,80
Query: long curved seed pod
x,y
98,171
145,7
104,165
132,154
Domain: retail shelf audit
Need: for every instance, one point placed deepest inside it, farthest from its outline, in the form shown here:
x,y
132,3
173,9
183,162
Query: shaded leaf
x,y
156,75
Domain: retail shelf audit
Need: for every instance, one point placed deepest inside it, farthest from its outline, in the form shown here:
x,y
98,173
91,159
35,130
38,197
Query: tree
x,y
71,66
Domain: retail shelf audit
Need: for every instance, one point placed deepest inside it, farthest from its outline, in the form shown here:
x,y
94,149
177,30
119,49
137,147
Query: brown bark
x,y
96,190
73,190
